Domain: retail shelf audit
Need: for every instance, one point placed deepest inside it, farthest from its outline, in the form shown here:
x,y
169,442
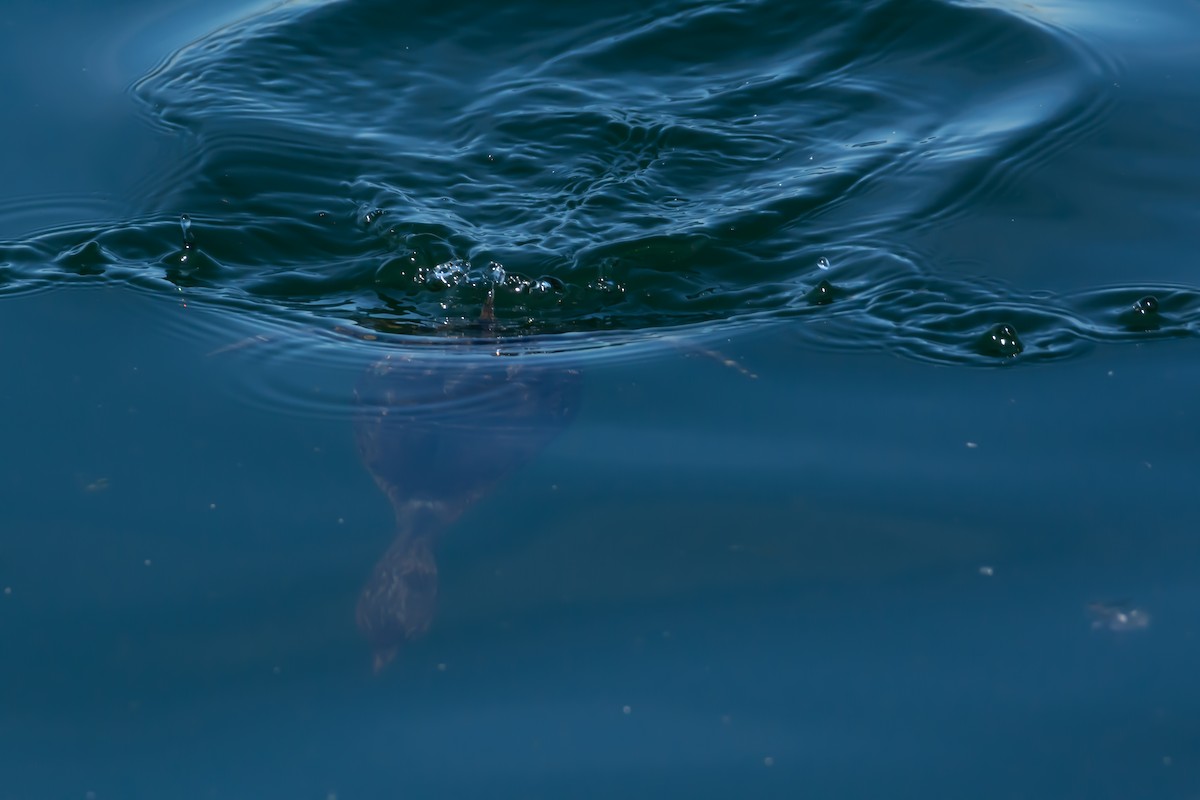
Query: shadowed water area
x,y
702,399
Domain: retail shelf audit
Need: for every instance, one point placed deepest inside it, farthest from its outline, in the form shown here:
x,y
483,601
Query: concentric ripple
x,y
640,168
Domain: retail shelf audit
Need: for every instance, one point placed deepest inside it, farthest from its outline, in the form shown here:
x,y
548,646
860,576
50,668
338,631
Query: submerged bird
x,y
438,431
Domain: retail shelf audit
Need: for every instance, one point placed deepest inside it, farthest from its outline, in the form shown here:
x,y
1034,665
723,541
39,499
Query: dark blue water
x,y
874,470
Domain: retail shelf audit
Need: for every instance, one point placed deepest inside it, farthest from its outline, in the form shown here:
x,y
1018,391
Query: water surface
x,y
819,526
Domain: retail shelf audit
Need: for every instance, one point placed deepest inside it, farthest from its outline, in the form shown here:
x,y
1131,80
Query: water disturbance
x,y
648,167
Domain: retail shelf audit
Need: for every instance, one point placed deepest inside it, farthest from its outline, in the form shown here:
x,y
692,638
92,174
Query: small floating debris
x,y
1119,617
726,361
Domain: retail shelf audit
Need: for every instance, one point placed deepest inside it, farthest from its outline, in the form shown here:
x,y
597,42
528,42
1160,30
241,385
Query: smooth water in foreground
x,y
868,331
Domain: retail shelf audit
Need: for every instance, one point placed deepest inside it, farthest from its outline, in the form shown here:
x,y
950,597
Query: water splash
x,y
1002,341
606,184
189,236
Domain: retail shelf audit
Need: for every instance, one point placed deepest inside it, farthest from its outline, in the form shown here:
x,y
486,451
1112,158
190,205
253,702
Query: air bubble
x,y
823,263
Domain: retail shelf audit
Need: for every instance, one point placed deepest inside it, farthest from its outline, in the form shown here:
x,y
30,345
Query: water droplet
x,y
822,294
189,237
549,283
1144,315
496,272
443,276
823,262
1002,340
1147,306
606,285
